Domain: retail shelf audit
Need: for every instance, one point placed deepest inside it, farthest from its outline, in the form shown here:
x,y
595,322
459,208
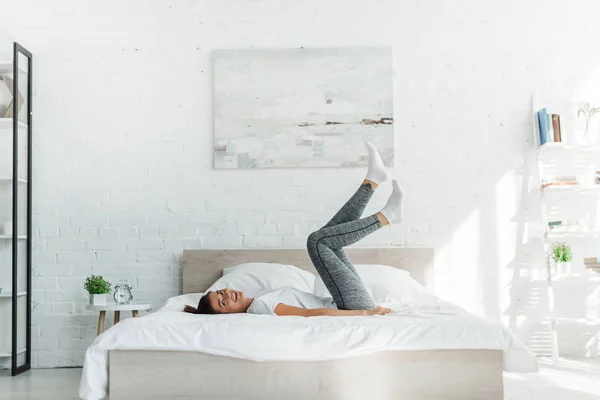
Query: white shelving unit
x,y
571,189
553,146
587,190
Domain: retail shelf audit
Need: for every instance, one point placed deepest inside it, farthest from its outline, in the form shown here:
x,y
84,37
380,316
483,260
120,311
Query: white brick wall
x,y
123,177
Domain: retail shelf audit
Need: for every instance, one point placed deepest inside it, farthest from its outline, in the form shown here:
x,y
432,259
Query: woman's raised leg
x,y
353,209
324,247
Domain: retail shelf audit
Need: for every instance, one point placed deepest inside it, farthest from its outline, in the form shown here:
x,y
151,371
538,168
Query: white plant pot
x,y
97,299
563,268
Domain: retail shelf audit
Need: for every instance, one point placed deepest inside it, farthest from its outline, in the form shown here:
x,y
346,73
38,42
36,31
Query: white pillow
x,y
384,283
177,303
256,278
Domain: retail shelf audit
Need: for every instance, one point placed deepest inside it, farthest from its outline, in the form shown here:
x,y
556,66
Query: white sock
x,y
377,172
393,210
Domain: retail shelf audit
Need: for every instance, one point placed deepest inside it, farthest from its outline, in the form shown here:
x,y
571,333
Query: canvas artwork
x,y
302,107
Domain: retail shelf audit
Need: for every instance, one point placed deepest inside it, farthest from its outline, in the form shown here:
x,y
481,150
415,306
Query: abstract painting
x,y
291,108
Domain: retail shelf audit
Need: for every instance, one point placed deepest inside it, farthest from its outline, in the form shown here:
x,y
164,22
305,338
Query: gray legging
x,y
325,248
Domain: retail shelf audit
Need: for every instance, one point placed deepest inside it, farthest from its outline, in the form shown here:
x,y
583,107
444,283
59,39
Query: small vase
x,y
97,299
563,268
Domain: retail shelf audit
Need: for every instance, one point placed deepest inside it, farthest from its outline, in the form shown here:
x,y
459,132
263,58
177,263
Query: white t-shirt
x,y
266,302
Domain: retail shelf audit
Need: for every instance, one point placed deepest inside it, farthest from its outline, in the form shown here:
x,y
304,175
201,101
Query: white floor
x,y
574,380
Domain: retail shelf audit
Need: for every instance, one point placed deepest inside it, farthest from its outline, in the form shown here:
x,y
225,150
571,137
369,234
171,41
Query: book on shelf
x,y
559,184
549,127
556,127
543,125
561,181
592,263
566,178
546,184
565,226
560,131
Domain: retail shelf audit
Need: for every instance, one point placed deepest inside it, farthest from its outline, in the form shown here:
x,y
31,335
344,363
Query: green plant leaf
x,y
96,284
561,252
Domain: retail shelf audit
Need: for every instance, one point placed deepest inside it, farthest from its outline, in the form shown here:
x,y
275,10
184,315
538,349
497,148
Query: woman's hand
x,y
378,311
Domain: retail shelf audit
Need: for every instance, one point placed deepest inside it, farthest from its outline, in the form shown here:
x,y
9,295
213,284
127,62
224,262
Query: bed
x,y
430,350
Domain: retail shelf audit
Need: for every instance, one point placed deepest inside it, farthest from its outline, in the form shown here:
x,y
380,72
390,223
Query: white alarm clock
x,y
122,294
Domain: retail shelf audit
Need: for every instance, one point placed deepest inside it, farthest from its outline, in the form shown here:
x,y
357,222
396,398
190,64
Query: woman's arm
x,y
283,309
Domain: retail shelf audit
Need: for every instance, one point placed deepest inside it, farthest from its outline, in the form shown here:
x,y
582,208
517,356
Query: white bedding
x,y
429,323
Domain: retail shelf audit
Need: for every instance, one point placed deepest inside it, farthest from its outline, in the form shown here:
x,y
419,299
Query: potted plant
x,y
562,254
98,288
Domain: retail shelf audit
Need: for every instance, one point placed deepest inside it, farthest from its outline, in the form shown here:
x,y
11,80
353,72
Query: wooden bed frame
x,y
411,375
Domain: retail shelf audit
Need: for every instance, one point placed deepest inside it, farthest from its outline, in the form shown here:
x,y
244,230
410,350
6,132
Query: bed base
x,y
390,375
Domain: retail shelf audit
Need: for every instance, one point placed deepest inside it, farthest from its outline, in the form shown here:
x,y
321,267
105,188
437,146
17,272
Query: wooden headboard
x,y
201,268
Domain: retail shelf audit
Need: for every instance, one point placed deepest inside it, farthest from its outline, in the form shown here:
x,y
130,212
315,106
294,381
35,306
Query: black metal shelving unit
x,y
16,345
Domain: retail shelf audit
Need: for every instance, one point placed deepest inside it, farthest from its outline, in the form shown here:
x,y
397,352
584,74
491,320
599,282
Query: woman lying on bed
x,y
325,248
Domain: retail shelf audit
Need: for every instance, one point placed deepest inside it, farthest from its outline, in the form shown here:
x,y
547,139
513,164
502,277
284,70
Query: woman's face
x,y
228,301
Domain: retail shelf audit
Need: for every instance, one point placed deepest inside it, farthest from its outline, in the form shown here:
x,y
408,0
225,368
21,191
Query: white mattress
x,y
431,324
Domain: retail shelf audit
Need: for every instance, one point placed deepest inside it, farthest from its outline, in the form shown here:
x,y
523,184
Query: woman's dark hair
x,y
204,306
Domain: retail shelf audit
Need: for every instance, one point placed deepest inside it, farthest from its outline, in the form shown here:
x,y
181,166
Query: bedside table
x,y
117,308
